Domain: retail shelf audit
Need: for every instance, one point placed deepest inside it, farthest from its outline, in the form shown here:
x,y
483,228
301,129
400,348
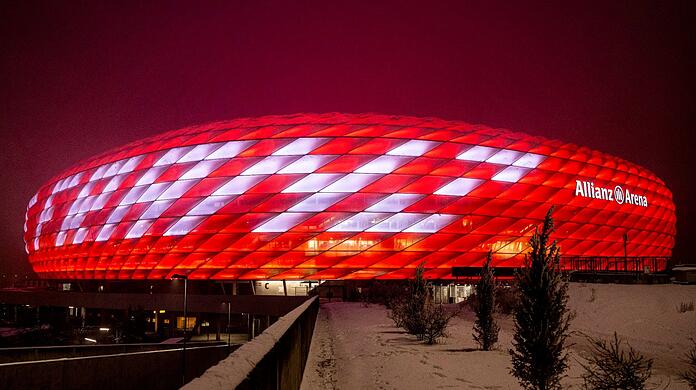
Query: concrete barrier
x,y
273,360
151,370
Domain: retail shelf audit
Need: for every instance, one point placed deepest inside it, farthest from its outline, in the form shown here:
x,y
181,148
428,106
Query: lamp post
x,y
183,352
229,315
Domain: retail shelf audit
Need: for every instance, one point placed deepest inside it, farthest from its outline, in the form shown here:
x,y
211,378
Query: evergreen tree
x,y
541,318
612,367
689,376
485,327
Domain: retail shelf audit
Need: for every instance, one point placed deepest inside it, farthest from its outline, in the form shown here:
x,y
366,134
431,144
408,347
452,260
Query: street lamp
x,y
229,313
183,352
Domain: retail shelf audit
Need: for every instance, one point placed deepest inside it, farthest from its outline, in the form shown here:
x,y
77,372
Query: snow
x,y
357,347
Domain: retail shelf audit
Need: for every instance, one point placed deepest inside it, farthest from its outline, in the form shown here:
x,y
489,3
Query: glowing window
x,y
239,185
199,152
133,195
80,236
150,176
318,202
118,214
511,174
313,182
383,164
202,169
432,224
300,146
210,205
156,209
139,228
230,149
283,222
505,157
153,192
307,164
172,156
529,160
395,202
397,222
459,187
477,153
177,189
269,165
413,148
105,232
184,225
131,164
358,222
352,182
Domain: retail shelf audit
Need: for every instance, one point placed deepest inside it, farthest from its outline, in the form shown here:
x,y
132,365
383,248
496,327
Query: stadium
x,y
338,196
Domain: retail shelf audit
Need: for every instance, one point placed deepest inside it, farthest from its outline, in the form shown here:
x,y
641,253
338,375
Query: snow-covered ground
x,y
357,347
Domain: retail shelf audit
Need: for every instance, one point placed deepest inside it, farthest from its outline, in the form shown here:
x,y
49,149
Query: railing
x,y
619,264
274,360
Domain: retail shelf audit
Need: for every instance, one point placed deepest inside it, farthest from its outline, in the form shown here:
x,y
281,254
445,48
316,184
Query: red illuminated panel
x,y
337,196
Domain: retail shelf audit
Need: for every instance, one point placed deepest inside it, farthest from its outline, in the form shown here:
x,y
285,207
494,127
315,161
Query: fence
x,y
274,360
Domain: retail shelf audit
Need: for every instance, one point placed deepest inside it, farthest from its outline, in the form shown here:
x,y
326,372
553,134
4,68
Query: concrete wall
x,y
274,360
151,370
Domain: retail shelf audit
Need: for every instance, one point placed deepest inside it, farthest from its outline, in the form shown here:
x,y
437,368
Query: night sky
x,y
78,78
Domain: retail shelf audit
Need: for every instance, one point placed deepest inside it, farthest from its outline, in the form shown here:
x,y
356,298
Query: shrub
x,y
689,376
507,298
612,367
685,306
485,328
541,318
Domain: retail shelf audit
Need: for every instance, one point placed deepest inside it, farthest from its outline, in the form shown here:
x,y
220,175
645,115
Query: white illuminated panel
x,y
505,157
199,152
358,222
184,225
239,185
75,180
269,165
76,221
282,223
477,153
105,232
133,195
397,222
87,203
413,148
151,175
383,164
74,208
153,192
114,183
172,156
313,182
139,228
230,149
459,187
99,173
202,169
114,168
300,146
80,236
352,182
177,189
85,191
432,224
529,160
210,205
307,164
511,174
318,202
395,202
60,238
131,164
156,209
118,214
100,202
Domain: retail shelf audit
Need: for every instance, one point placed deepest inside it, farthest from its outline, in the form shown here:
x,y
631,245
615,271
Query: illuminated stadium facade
x,y
337,196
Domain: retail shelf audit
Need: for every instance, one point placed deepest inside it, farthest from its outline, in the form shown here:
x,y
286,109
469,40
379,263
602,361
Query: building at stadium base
x,y
334,196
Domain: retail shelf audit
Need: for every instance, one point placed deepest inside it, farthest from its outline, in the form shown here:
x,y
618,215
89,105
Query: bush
x,y
485,328
689,376
507,298
611,367
685,306
541,318
416,312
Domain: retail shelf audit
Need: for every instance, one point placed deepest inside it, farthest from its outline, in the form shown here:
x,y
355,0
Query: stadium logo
x,y
587,189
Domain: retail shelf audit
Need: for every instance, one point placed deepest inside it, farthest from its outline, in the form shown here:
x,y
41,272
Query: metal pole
x,y
183,354
229,304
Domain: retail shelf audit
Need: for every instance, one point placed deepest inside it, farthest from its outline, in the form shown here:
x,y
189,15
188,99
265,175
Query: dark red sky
x,y
77,78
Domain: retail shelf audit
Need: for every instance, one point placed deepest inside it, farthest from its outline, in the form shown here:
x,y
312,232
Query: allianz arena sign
x,y
337,196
